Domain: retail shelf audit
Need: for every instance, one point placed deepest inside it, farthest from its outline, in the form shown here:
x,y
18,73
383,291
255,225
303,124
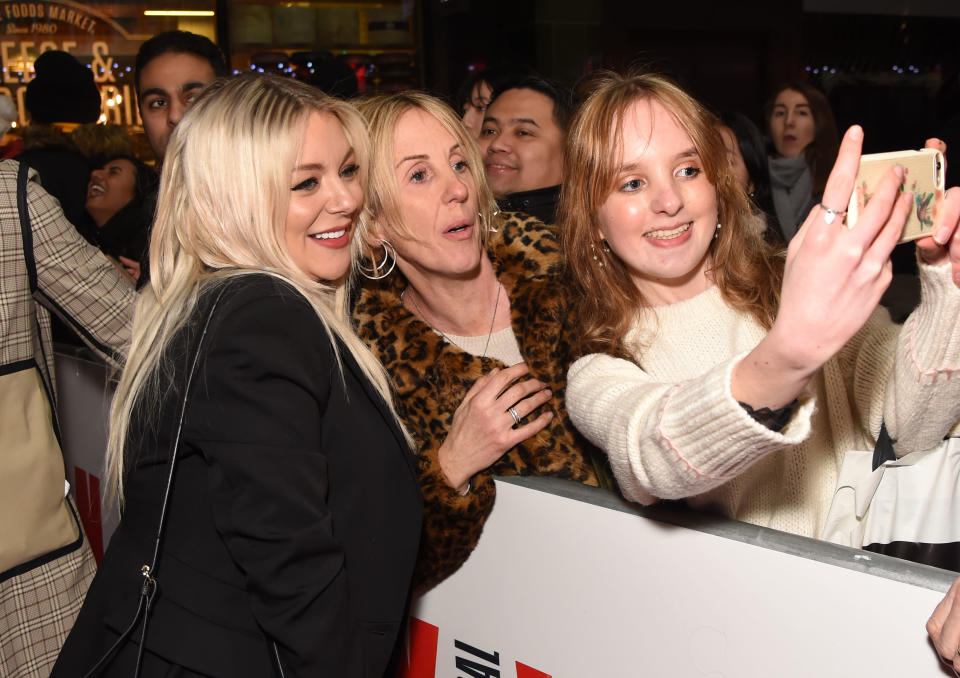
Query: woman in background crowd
x,y
292,526
120,201
750,165
805,142
475,94
472,326
719,372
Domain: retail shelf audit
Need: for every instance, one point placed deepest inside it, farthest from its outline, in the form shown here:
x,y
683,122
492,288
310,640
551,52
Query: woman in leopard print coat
x,y
455,262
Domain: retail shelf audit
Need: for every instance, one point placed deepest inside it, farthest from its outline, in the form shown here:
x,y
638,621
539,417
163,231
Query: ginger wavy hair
x,y
746,270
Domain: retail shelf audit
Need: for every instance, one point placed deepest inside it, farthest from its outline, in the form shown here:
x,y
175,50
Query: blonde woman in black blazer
x,y
294,515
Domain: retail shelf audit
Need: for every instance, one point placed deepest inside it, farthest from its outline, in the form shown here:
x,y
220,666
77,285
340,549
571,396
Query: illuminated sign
x,y
27,29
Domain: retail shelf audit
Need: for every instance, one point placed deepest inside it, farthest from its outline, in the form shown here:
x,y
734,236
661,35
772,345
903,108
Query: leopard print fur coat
x,y
431,376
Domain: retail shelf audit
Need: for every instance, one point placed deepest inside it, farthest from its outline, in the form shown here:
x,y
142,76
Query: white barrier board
x,y
567,589
560,588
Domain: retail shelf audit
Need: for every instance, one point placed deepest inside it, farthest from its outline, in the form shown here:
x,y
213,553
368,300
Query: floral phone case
x,y
924,175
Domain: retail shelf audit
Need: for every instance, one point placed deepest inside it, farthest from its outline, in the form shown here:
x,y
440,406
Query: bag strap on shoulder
x,y
25,230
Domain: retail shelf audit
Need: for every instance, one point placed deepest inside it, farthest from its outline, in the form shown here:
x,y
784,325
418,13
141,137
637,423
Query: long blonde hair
x,y
383,112
221,212
744,269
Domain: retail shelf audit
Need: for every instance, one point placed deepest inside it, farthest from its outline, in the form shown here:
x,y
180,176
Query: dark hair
x,y
62,90
494,77
822,152
561,97
754,152
334,77
147,179
181,42
586,84
127,233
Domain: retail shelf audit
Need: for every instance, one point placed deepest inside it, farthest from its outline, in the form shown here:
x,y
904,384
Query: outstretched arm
x,y
833,280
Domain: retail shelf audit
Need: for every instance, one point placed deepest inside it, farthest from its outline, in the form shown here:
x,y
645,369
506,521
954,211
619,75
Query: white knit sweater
x,y
672,428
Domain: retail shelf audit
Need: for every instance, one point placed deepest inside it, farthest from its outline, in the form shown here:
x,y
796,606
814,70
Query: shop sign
x,y
27,29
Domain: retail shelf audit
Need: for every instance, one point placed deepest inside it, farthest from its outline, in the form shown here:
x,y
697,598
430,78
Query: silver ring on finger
x,y
514,414
830,214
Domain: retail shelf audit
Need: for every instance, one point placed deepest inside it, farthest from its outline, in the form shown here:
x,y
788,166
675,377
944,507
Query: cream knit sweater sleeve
x,y
667,440
923,401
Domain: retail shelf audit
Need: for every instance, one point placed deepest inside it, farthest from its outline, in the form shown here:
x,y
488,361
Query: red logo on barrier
x,y
87,489
418,657
524,671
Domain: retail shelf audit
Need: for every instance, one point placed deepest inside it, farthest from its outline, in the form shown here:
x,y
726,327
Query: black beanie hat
x,y
62,90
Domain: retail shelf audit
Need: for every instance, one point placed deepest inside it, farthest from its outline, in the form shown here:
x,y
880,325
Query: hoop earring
x,y
389,254
493,215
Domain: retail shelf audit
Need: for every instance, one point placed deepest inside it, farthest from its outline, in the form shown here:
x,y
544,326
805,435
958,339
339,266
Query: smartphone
x,y
924,176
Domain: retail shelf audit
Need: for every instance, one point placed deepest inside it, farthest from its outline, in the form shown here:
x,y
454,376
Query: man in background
x,y
171,69
522,140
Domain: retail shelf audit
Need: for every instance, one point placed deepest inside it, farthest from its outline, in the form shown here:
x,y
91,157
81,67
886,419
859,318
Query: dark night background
x,y
889,65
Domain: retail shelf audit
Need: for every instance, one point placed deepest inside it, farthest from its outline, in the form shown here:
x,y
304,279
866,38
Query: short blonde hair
x,y
743,268
383,113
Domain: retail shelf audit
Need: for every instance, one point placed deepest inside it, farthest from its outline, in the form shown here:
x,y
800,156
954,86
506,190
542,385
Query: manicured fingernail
x,y
942,236
898,170
856,132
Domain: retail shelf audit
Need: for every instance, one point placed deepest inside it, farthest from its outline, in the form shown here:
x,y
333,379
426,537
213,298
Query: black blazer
x,y
295,512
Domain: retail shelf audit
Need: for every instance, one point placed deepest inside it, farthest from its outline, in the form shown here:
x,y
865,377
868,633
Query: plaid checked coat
x,y
79,284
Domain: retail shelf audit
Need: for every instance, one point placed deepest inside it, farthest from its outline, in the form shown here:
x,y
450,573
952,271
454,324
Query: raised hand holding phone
x,y
924,176
833,279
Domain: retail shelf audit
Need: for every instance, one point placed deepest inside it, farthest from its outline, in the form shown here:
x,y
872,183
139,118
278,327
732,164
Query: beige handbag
x,y
37,524
35,519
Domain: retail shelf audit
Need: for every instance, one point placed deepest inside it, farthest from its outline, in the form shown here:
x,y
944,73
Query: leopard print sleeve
x,y
452,524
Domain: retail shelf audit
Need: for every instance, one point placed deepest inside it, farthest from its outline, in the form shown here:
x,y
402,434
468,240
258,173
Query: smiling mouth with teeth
x,y
672,233
96,189
330,235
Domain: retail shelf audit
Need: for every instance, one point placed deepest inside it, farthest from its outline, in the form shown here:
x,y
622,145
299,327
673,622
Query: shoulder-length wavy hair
x,y
221,212
744,269
822,151
382,113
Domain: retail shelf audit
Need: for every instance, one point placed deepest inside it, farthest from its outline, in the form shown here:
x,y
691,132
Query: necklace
x,y
493,320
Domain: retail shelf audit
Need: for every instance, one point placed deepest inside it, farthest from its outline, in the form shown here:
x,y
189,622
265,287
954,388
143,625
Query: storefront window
x,y
326,43
323,42
104,36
